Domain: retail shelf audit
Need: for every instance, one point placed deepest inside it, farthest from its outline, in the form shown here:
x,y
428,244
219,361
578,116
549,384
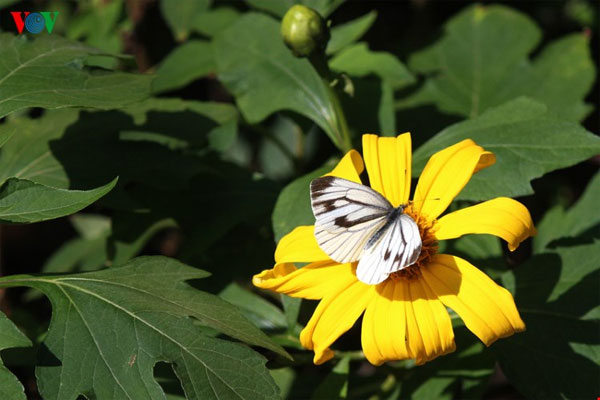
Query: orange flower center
x,y
428,249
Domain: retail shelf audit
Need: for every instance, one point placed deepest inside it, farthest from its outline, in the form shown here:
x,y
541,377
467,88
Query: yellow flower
x,y
405,316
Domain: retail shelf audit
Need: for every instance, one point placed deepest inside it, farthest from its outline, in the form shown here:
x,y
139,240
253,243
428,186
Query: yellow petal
x,y
313,281
334,315
384,325
349,167
406,320
388,162
487,309
503,217
300,245
429,333
446,173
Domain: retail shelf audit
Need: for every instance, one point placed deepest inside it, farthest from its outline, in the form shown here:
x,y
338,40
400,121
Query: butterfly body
x,y
355,223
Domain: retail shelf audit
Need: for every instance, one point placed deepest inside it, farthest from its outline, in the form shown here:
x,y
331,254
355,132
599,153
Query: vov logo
x,y
34,22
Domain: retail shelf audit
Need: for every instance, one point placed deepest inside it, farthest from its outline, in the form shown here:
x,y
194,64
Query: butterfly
x,y
355,223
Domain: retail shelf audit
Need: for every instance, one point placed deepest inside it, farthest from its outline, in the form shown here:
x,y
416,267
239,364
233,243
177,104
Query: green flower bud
x,y
304,31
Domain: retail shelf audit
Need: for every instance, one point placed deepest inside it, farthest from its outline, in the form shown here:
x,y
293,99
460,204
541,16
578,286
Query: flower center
x,y
429,246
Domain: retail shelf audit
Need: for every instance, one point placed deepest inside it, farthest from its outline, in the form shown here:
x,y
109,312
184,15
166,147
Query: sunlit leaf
x,y
24,201
110,327
512,132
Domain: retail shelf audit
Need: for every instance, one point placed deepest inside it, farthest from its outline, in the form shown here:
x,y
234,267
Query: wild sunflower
x,y
405,316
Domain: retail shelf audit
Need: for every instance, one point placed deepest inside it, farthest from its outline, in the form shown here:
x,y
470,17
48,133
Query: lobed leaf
x,y
109,328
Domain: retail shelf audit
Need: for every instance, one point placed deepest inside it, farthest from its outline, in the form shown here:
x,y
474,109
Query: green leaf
x,y
335,385
559,223
110,327
265,77
527,142
291,309
345,34
211,22
258,310
55,150
23,201
28,155
481,62
10,336
293,204
557,296
101,245
358,60
180,15
220,113
61,79
284,377
188,62
280,147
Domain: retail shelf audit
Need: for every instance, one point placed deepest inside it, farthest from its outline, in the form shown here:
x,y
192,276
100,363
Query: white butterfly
x,y
355,223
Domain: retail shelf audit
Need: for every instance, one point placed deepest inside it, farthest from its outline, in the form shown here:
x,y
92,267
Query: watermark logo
x,y
34,22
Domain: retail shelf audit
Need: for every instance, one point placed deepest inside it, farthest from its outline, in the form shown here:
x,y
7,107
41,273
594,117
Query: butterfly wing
x,y
398,247
347,215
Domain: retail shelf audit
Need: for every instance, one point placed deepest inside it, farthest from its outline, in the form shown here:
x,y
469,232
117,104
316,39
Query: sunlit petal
x,y
335,315
487,309
384,325
503,217
430,331
388,161
350,167
446,173
300,245
313,281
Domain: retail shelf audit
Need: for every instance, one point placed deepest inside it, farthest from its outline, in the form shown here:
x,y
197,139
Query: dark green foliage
x,y
186,133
